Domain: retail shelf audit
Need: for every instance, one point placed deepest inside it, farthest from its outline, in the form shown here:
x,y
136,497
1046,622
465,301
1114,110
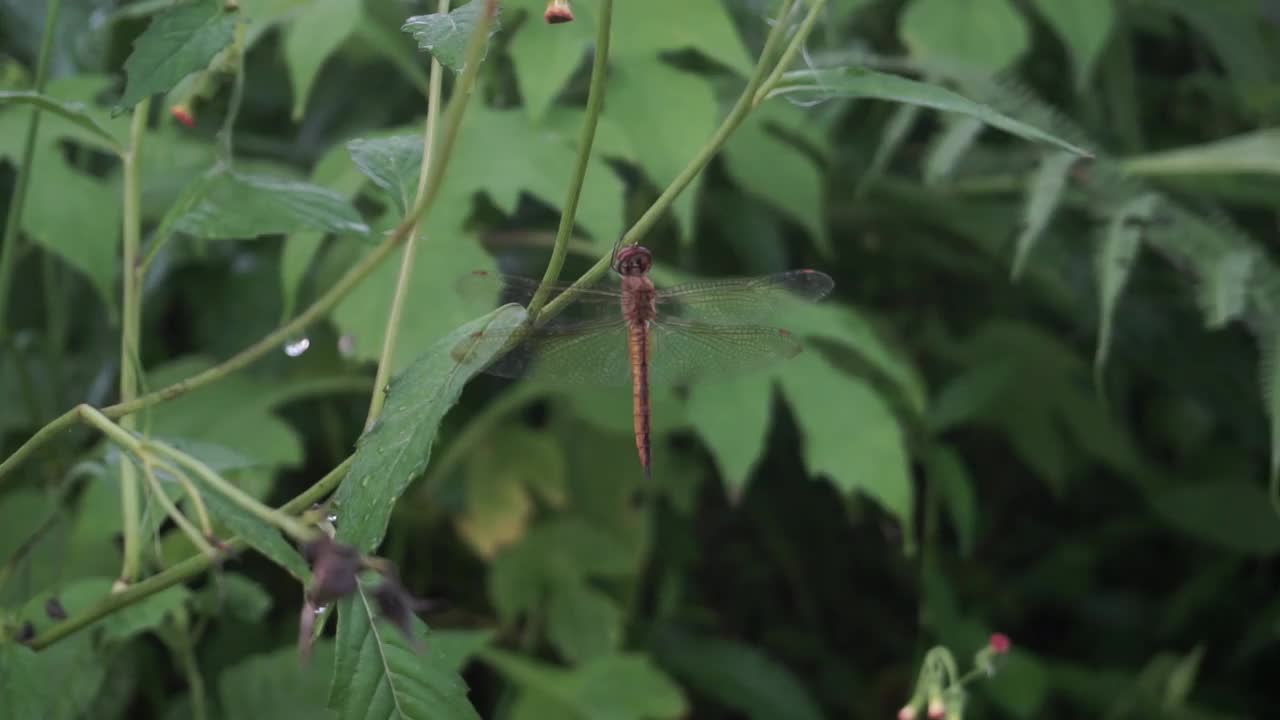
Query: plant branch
x,y
595,102
387,359
789,55
17,201
192,533
699,162
180,572
130,338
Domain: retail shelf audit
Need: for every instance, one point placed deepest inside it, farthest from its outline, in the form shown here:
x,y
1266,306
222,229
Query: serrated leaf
x,y
74,112
737,676
951,480
614,687
392,163
396,449
583,622
446,35
1255,153
239,205
176,44
276,685
378,675
958,135
732,418
1116,256
1044,193
1084,27
987,35
852,82
640,97
1230,513
315,35
850,434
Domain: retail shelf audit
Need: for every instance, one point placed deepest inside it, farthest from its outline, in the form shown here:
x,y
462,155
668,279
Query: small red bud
x,y
937,709
183,114
558,11
908,712
999,643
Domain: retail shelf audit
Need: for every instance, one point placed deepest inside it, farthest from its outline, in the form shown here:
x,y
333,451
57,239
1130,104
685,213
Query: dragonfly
x,y
630,332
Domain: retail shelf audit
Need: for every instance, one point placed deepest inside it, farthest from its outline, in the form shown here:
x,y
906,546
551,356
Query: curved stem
x,y
180,572
13,220
130,336
595,102
740,110
789,55
387,358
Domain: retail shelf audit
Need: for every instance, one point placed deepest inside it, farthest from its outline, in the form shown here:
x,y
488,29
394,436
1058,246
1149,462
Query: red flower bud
x,y
999,643
558,11
183,114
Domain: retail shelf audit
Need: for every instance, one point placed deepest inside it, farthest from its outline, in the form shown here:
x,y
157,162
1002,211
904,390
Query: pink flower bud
x,y
908,712
937,709
183,114
558,11
999,643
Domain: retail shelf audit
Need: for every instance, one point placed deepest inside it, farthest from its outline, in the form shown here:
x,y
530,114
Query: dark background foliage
x,y
1041,400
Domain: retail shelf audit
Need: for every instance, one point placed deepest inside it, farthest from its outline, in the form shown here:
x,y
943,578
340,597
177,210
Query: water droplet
x,y
321,609
346,345
297,347
332,517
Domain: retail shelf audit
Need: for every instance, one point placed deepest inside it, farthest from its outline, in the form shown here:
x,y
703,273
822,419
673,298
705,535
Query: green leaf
x,y
377,674
1116,256
778,172
446,35
392,163
737,676
312,38
74,112
583,622
988,35
641,95
614,687
1227,512
497,503
892,137
1084,27
277,685
951,480
861,83
1044,193
1224,289
544,57
176,44
146,615
850,434
396,449
239,205
236,596
457,647
732,416
261,535
1255,153
657,27
959,134
58,683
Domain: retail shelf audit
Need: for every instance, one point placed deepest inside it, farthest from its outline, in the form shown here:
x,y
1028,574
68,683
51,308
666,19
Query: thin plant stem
x,y
170,509
793,49
391,334
202,511
17,201
131,317
595,102
285,522
744,105
183,647
180,572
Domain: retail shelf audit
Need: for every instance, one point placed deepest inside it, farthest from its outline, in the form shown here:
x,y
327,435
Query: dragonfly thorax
x,y
639,299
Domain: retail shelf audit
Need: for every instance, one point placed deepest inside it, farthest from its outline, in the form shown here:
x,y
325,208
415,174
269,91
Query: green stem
x,y
390,335
288,524
789,55
183,647
170,509
13,221
660,206
202,512
180,572
131,318
595,102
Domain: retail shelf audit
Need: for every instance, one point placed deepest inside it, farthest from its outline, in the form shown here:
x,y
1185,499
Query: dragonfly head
x,y
633,261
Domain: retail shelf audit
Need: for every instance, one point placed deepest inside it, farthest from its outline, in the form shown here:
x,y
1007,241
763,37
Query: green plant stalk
x,y
13,220
180,572
744,105
789,55
295,529
322,305
391,334
202,512
183,648
131,318
595,102
170,509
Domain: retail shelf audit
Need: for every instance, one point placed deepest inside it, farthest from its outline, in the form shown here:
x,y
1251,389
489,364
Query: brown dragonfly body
x,y
639,335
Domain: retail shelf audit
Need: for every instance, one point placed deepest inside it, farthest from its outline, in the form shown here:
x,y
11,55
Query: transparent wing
x,y
486,290
593,353
685,351
742,301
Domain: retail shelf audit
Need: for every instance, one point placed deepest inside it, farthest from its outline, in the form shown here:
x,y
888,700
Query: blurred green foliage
x,y
1044,398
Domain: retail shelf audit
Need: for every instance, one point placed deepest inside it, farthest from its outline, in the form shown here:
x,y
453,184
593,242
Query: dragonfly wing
x,y
570,355
485,290
684,351
742,301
